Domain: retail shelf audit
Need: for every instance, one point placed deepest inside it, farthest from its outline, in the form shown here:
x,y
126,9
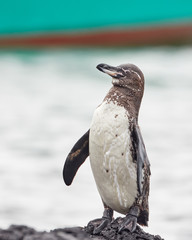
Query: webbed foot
x,y
130,221
101,223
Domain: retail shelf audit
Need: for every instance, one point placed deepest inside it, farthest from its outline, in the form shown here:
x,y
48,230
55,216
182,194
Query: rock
x,y
111,233
71,233
20,232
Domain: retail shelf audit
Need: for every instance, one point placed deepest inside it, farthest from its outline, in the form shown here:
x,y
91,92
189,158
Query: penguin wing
x,y
75,158
140,155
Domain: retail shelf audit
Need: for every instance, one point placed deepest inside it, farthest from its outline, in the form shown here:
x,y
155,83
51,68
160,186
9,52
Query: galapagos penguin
x,y
117,152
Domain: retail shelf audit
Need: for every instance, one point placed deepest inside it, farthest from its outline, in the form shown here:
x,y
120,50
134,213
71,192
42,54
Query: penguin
x,y
116,149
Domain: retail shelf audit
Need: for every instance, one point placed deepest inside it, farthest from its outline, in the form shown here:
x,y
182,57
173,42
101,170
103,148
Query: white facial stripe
x,y
126,70
131,71
136,73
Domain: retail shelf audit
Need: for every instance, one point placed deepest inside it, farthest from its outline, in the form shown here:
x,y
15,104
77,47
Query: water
x,y
47,101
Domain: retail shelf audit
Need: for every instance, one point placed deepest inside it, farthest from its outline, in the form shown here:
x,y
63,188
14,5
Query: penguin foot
x,y
101,223
130,221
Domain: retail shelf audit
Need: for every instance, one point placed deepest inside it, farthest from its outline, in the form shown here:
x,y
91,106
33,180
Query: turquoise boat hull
x,y
108,23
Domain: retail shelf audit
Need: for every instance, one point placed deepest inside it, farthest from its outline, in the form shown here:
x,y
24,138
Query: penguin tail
x,y
143,218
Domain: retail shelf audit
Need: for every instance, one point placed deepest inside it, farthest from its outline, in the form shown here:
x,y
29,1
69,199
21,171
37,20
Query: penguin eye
x,y
126,71
130,71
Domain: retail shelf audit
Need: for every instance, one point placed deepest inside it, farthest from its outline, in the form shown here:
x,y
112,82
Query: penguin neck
x,y
127,98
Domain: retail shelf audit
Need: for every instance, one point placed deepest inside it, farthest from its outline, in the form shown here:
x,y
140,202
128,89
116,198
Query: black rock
x,y
111,233
20,232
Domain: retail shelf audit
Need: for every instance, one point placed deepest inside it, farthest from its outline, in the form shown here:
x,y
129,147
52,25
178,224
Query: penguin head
x,y
125,76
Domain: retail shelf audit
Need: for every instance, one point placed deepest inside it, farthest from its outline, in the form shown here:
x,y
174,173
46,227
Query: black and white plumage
x,y
116,149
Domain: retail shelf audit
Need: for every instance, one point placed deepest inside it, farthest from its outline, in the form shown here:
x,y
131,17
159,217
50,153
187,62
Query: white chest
x,y
110,157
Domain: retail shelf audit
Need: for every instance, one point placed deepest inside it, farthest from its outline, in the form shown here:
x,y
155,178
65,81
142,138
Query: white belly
x,y
113,169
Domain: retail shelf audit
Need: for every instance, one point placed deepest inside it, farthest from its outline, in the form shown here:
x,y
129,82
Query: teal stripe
x,y
21,16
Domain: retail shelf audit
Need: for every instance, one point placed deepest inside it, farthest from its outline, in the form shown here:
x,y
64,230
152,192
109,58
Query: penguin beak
x,y
114,72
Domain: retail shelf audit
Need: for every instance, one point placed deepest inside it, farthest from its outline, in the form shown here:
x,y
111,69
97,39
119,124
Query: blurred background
x,y
49,89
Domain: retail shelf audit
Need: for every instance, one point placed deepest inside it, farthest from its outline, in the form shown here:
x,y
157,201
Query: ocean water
x,y
47,99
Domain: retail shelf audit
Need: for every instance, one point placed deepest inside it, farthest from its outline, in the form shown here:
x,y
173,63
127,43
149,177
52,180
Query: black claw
x,y
99,224
130,223
102,225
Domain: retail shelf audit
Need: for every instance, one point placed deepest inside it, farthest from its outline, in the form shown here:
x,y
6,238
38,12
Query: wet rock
x,y
20,232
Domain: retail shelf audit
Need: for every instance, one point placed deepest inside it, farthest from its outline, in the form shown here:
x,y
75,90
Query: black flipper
x,y
76,157
143,173
140,154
